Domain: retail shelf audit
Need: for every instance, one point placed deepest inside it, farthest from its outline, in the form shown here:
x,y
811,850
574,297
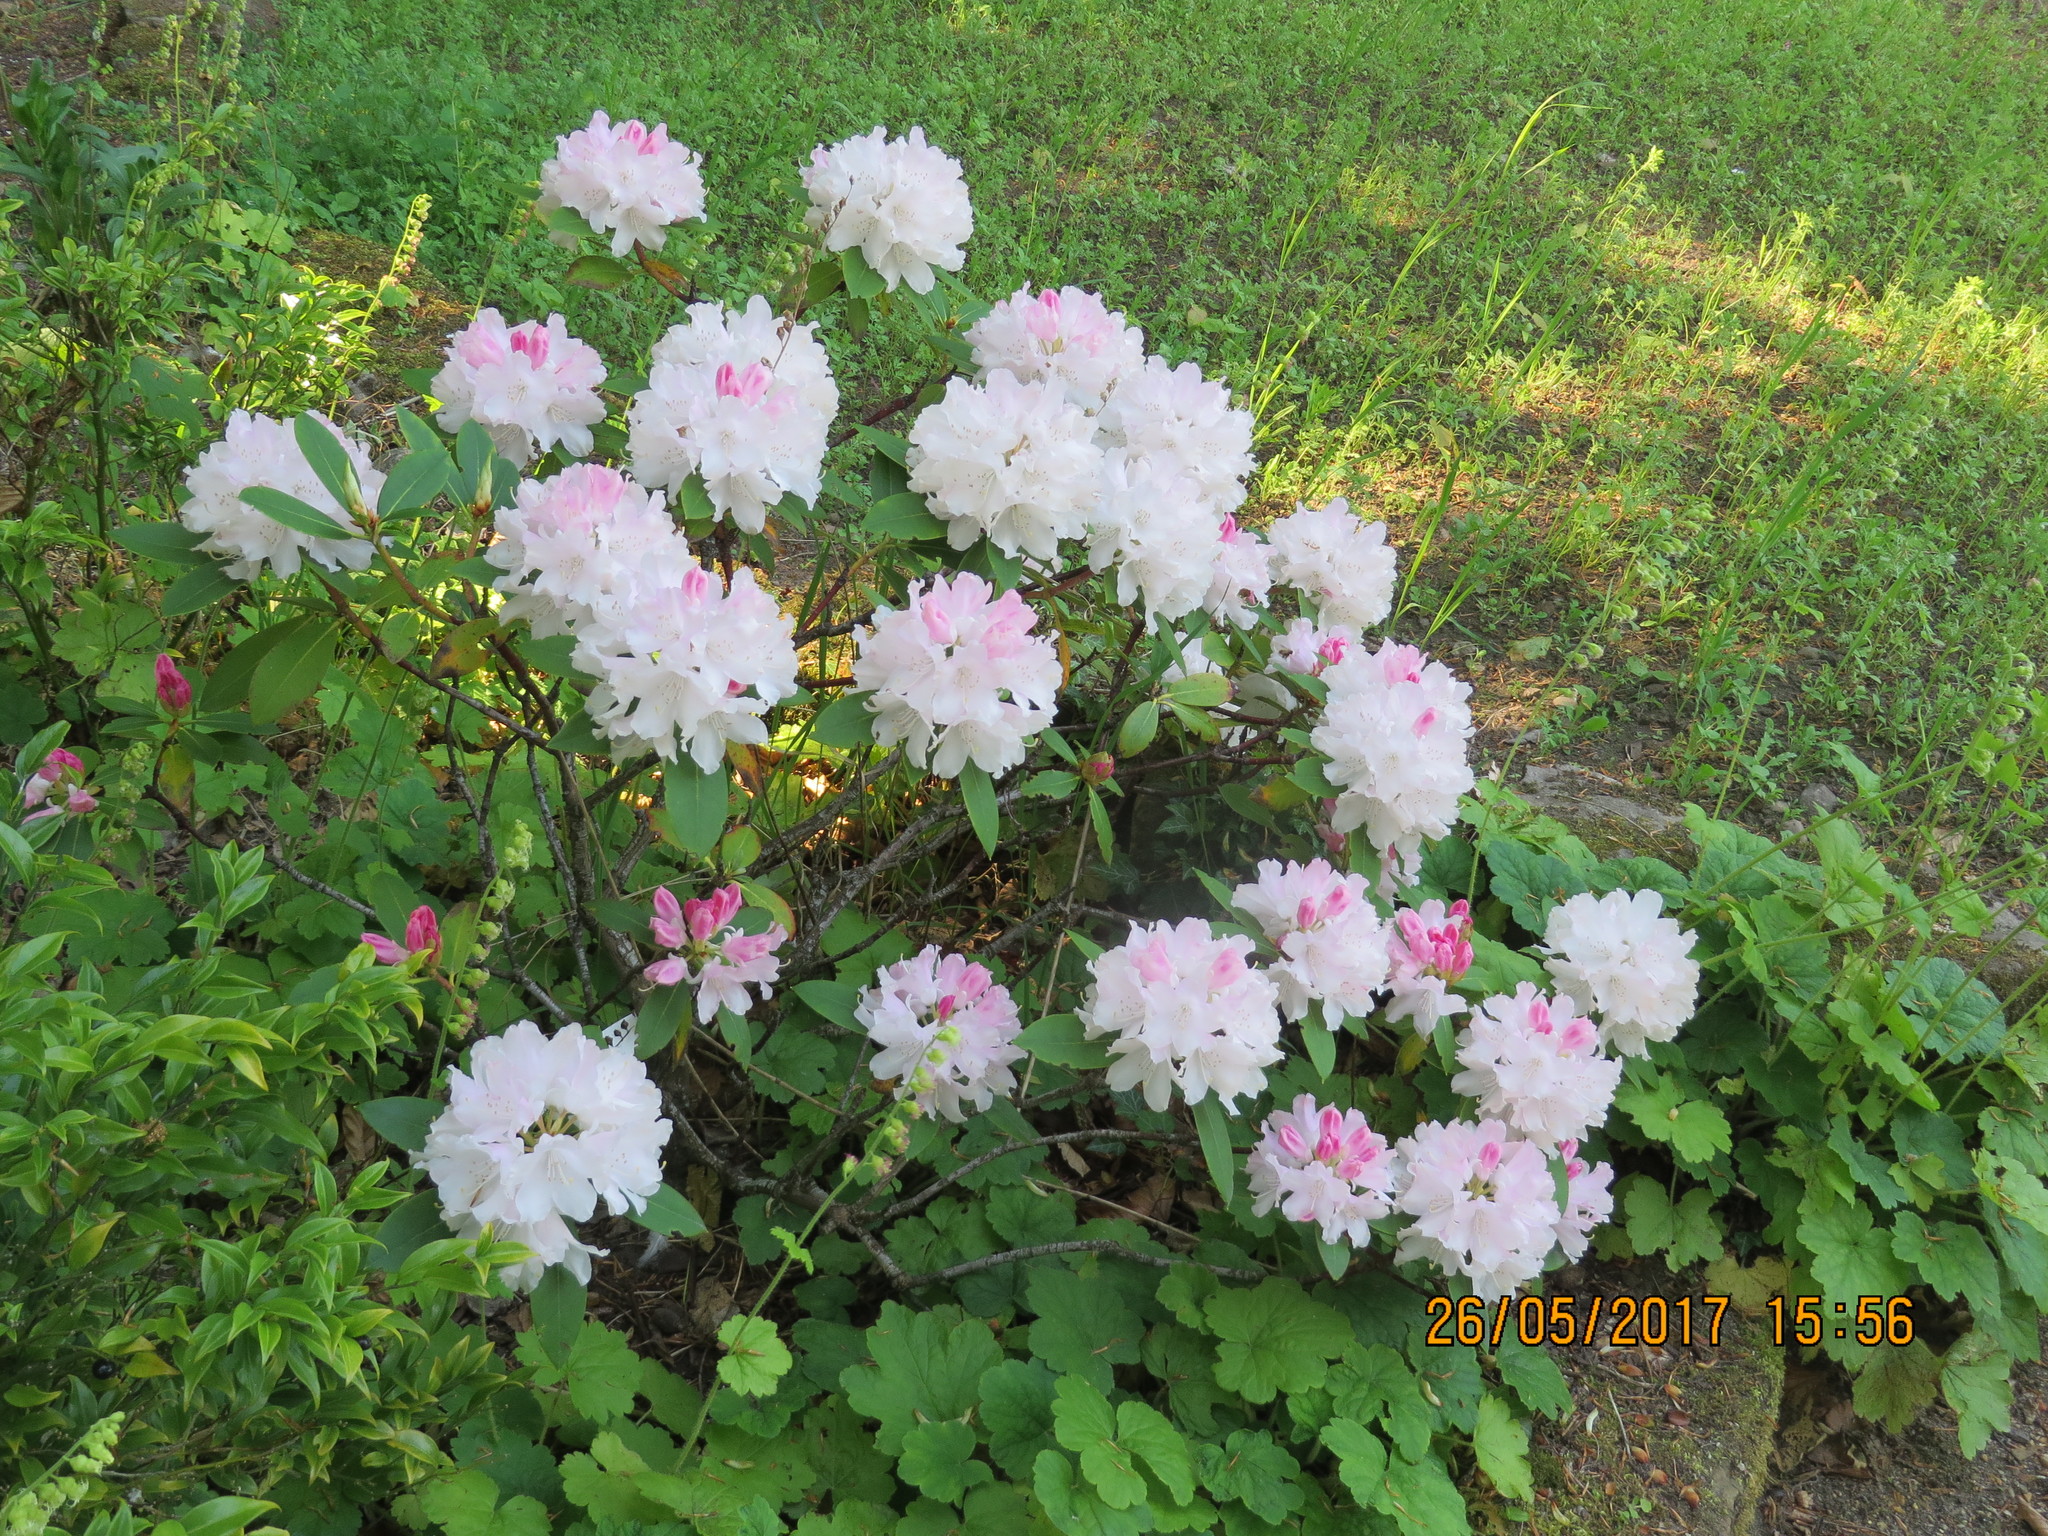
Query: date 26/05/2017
x,y
1657,1320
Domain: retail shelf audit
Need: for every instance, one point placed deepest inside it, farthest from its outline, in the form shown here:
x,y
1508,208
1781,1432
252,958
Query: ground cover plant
x,y
841,764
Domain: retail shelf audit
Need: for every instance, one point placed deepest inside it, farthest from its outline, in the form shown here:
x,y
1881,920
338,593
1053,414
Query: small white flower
x,y
902,202
1589,1200
1337,559
262,451
946,1032
629,179
1239,578
1187,1012
1006,459
1182,425
1632,962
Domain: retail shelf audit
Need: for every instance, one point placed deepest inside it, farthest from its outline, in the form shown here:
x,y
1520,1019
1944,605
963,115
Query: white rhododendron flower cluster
x,y
1632,964
1337,559
957,676
1008,459
262,451
1484,1203
1164,555
626,179
945,1029
1395,730
1186,1011
531,386
900,202
1332,943
1068,338
678,659
1530,1061
536,1133
742,398
1428,948
1324,1167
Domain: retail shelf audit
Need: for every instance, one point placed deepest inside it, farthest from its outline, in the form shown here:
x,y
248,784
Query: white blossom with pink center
x,y
742,398
1323,1166
536,1132
1066,337
583,550
1395,729
1187,1012
1308,649
1531,1061
1007,459
1484,1203
263,451
1333,946
1589,1199
956,675
711,953
626,178
902,202
531,385
1239,576
1338,560
1181,425
946,1032
1634,965
1428,948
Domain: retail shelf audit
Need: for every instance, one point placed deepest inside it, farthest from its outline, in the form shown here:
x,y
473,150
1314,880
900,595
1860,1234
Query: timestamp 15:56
x,y
1808,1320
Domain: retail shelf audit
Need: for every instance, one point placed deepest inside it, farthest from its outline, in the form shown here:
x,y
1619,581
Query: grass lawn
x,y
1697,344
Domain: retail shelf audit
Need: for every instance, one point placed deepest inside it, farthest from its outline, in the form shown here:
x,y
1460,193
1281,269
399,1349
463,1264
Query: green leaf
x,y
415,481
906,515
599,272
1071,1505
1423,1500
1139,729
663,1013
1212,1124
197,589
1952,1258
1016,1411
20,857
1159,1445
669,1213
402,1122
1683,1232
1084,1423
1199,690
1321,1044
1976,1379
979,792
1186,1292
697,804
223,1516
1275,1339
1502,1446
928,1366
938,1460
297,515
1896,1383
408,1227
1533,1376
292,669
1059,1039
558,1304
329,460
755,1357
1694,1129
1083,1329
171,543
862,280
831,1000
846,722
1852,1255
1252,1468
1361,1460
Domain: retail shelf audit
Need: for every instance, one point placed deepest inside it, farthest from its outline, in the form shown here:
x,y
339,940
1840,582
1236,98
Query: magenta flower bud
x,y
172,690
57,764
1098,768
387,952
79,802
669,932
423,932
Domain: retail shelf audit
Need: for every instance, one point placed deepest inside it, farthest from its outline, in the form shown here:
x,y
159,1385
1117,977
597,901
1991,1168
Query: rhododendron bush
x,y
1021,899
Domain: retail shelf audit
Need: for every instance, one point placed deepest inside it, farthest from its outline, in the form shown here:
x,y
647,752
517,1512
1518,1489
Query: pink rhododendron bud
x,y
706,917
1534,1063
387,952
1098,768
1333,946
627,179
536,1132
956,674
945,1032
1186,1011
1634,965
719,959
172,690
58,763
1307,648
1323,1166
1484,1204
423,932
1429,948
669,931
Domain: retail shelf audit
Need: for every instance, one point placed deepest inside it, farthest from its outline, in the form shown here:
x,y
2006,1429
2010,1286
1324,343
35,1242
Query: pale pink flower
x,y
1187,1012
1429,948
1333,946
1324,1166
626,178
1589,1200
1530,1061
1484,1204
946,1031
1633,964
531,384
713,954
261,451
1307,648
1066,337
1239,576
58,769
